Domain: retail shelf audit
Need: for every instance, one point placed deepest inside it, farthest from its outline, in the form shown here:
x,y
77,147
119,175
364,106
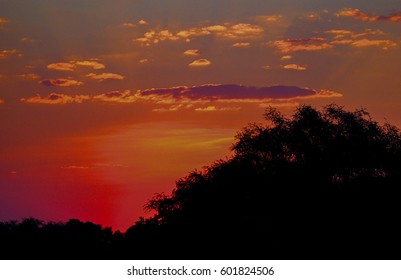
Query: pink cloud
x,y
60,82
55,99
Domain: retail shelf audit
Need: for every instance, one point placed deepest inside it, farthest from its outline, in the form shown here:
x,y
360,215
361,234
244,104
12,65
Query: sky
x,y
105,103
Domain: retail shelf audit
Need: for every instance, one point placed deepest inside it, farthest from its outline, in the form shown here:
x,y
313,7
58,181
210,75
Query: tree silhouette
x,y
322,184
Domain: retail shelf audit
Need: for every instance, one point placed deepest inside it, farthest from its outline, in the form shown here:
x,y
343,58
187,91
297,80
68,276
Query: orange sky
x,y
103,104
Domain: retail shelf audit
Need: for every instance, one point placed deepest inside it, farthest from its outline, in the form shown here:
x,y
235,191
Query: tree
x,y
321,184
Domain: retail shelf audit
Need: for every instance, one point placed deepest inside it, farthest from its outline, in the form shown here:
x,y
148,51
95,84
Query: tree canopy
x,y
319,184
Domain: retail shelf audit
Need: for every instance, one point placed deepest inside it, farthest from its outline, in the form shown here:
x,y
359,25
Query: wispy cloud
x,y
72,65
3,21
200,63
296,45
60,82
358,14
116,97
295,67
226,31
209,97
143,22
4,54
385,44
29,76
55,98
241,45
105,76
192,52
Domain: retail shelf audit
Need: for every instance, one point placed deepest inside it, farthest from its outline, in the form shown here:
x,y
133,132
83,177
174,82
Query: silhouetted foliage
x,y
319,185
322,184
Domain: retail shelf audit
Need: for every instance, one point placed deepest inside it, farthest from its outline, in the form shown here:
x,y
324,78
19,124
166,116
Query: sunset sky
x,y
105,103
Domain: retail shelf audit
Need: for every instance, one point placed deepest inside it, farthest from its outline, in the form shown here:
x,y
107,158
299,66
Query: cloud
x,y
128,24
8,53
72,65
29,76
286,57
61,66
1,101
105,76
226,31
231,93
200,63
92,64
313,16
358,14
214,109
60,82
55,98
143,61
3,21
192,52
296,45
270,18
266,67
143,22
241,45
385,44
117,97
203,98
243,30
295,67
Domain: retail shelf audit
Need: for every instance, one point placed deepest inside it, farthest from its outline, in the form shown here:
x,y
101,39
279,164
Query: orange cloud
x,y
244,30
143,61
105,76
200,63
294,67
1,101
227,31
358,14
295,45
286,57
90,63
60,82
61,66
55,98
128,25
29,76
241,45
385,44
72,65
116,96
3,21
192,52
212,108
143,22
8,53
270,18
